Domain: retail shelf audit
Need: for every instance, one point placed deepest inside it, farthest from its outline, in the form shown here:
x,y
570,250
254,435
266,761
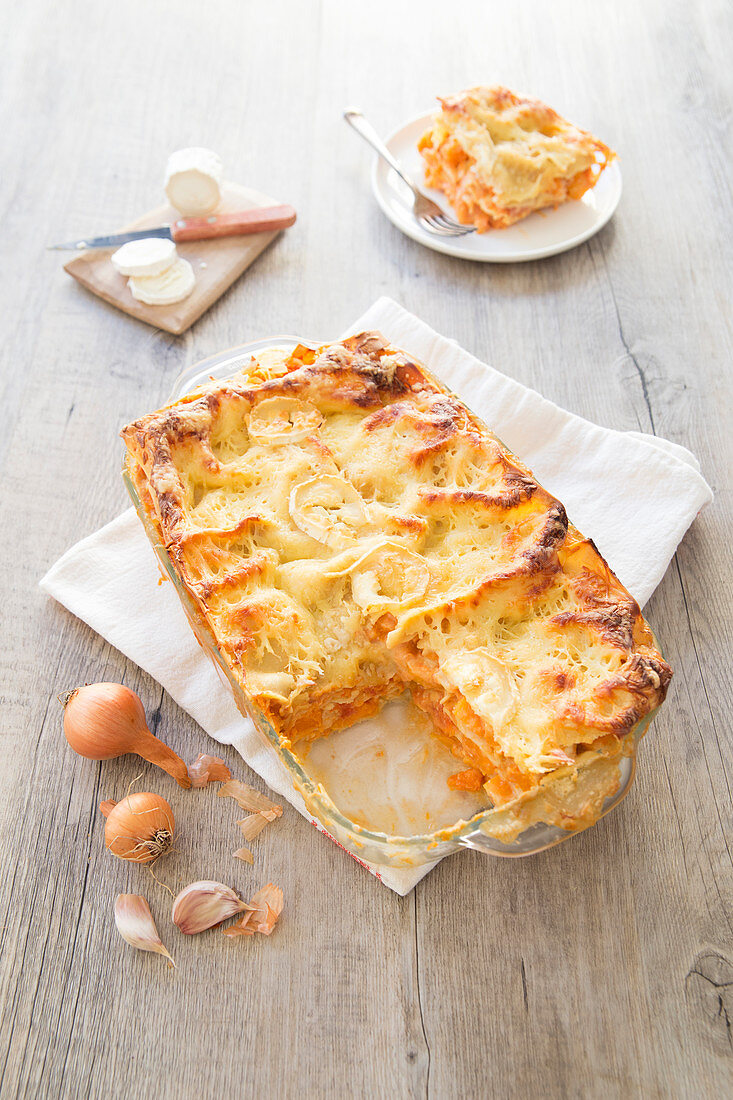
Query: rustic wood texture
x,y
216,264
602,968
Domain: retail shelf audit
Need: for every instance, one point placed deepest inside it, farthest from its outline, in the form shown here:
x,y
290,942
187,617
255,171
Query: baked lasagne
x,y
348,529
498,157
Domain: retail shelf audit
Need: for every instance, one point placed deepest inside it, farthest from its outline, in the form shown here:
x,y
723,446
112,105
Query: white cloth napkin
x,y
634,494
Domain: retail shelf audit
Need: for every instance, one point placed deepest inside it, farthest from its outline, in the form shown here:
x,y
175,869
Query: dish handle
x,y
489,827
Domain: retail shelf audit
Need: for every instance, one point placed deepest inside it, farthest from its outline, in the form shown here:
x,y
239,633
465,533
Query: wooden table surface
x,y
602,968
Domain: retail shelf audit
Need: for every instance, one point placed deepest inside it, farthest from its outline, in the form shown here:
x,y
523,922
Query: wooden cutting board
x,y
216,264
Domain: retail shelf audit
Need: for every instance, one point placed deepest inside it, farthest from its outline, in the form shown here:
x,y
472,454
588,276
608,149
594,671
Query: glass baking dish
x,y
364,843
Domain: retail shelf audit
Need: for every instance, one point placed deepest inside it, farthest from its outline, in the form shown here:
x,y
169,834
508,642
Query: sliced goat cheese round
x,y
150,256
172,285
193,179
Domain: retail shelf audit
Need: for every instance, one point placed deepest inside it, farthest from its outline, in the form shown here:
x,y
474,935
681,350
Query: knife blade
x,y
258,219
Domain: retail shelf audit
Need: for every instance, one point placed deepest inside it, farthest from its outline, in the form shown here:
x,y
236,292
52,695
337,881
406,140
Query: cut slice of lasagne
x,y
498,157
347,527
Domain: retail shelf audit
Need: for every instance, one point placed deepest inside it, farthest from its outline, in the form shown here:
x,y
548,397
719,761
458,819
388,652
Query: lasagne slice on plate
x,y
498,157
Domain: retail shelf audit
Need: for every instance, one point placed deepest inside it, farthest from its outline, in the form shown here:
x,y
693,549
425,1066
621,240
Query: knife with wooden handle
x,y
258,219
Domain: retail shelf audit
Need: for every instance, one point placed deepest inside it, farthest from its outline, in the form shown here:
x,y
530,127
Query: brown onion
x,y
139,828
103,721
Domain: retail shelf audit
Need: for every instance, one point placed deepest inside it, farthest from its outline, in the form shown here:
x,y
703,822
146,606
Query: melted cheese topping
x,y
347,527
498,156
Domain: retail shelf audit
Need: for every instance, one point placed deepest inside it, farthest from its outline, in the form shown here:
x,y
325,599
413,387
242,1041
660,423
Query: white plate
x,y
542,234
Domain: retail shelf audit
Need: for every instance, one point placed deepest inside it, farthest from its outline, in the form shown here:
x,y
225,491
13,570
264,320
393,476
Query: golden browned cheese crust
x,y
346,527
499,156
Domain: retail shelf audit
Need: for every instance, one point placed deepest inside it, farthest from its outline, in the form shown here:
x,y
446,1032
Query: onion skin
x,y
139,827
104,721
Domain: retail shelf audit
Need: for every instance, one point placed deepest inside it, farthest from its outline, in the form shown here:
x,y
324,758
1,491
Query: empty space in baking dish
x,y
389,773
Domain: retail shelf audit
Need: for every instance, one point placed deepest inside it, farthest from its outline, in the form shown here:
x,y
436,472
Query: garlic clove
x,y
136,925
248,798
208,769
205,904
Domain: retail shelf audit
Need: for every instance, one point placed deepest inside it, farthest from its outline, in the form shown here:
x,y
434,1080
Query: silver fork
x,y
427,212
